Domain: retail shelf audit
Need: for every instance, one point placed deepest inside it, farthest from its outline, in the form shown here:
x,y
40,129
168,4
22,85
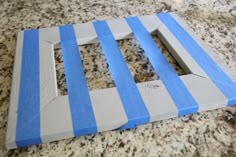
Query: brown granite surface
x,y
211,133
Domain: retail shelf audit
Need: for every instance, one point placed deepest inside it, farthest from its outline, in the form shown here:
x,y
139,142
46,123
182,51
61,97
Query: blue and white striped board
x,y
38,115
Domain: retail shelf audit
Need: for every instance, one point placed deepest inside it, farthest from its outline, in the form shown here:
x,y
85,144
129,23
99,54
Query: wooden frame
x,y
55,115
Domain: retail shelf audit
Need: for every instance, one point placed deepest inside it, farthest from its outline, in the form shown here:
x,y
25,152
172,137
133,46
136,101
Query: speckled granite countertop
x,y
211,133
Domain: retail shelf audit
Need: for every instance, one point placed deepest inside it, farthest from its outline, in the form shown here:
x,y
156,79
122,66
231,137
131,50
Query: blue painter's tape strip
x,y
28,117
217,75
132,101
184,101
83,118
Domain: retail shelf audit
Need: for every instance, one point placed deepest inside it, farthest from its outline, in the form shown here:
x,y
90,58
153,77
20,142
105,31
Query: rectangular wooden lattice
x,y
38,114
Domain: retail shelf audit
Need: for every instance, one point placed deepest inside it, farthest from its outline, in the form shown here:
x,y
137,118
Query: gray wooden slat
x,y
205,92
49,38
150,23
207,49
48,82
85,33
13,108
119,28
108,109
157,100
55,119
55,116
175,48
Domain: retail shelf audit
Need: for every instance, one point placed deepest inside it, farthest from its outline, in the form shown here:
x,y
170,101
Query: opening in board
x,y
174,63
138,62
139,65
96,67
60,72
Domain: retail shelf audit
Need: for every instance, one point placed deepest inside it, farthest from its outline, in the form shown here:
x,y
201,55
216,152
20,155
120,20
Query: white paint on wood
x,y
13,108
